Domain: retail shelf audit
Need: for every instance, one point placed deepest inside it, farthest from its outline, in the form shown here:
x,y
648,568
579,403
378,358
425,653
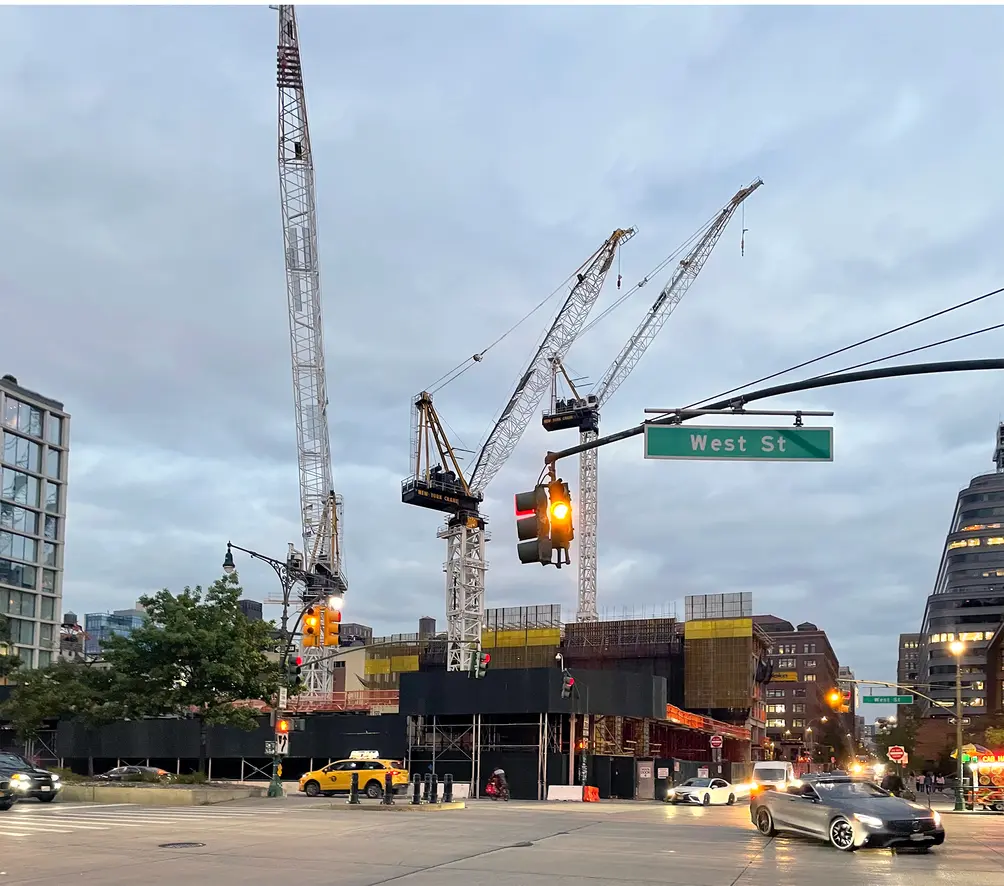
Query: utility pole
x,y
957,648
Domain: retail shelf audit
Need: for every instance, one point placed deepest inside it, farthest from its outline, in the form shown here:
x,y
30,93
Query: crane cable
x,y
856,344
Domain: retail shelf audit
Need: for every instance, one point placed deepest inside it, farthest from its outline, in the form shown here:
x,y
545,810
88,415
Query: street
x,y
514,844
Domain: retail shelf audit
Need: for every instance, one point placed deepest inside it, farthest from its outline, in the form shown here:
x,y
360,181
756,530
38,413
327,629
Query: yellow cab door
x,y
329,777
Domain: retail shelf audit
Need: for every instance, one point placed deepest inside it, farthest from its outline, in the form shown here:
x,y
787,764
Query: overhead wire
x,y
849,347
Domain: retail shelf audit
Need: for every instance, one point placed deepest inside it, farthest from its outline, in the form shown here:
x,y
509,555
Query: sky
x,y
467,161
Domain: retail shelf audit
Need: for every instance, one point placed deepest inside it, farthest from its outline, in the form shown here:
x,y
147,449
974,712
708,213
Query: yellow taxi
x,y
336,777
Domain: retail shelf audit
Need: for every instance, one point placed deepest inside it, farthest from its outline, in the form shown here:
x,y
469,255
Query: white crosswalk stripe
x,y
26,820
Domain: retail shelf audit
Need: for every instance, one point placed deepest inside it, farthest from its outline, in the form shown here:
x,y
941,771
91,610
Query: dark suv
x,y
26,779
7,797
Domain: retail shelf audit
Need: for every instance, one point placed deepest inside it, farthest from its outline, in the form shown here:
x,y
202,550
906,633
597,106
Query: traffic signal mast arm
x,y
586,413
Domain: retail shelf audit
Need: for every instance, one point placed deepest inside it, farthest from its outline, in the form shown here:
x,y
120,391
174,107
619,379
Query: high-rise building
x,y
908,661
33,471
99,626
252,609
845,676
967,601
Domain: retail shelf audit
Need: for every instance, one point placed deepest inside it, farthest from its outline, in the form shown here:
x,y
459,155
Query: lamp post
x,y
289,574
957,648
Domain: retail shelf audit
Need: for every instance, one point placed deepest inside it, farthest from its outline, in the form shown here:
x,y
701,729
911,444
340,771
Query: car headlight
x,y
869,820
55,778
936,816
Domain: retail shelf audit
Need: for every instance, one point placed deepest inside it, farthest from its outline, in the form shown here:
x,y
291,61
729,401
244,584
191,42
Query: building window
x,y
798,708
776,723
48,554
18,603
53,457
786,663
22,632
19,488
17,547
810,662
809,649
798,693
22,417
54,431
779,693
18,519
809,678
44,659
48,581
775,709
786,649
995,540
17,574
51,527
21,452
48,609
51,497
798,724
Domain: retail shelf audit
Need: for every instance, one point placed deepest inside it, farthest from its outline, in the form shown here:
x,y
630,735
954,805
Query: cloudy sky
x,y
467,161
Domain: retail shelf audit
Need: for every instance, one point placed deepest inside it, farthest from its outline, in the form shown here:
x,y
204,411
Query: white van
x,y
773,775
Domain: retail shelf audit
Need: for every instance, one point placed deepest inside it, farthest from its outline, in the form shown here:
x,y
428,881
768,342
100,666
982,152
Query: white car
x,y
707,792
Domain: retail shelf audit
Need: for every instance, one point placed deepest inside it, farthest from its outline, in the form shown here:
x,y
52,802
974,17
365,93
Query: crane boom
x,y
320,508
559,338
672,294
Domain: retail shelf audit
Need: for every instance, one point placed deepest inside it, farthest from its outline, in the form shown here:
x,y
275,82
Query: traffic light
x,y
483,659
560,513
283,726
294,672
312,625
567,684
833,698
533,529
329,628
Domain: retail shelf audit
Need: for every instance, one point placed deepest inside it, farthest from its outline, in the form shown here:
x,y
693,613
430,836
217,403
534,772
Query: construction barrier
x,y
590,794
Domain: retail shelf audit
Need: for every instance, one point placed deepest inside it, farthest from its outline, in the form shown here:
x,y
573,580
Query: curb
x,y
379,807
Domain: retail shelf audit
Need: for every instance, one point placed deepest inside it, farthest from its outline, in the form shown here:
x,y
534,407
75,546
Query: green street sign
x,y
738,444
887,699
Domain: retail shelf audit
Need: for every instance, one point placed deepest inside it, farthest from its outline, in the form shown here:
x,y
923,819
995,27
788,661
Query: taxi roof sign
x,y
364,755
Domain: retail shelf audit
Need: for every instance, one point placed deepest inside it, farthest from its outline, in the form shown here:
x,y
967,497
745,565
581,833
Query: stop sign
x,y
716,741
896,753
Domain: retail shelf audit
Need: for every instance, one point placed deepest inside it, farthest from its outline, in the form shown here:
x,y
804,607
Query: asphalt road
x,y
514,844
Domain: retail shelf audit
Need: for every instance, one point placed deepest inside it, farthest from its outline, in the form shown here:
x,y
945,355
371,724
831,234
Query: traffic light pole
x,y
738,401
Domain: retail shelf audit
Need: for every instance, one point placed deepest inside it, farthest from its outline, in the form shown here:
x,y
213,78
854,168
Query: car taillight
x,y
393,773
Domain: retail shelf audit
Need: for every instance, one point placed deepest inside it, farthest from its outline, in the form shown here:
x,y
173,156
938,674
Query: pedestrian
x,y
941,782
920,783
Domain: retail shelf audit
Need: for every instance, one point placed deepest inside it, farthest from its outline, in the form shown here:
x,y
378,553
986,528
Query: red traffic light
x,y
282,726
571,681
299,661
485,657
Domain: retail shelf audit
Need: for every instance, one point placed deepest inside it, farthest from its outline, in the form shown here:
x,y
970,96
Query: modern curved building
x,y
968,599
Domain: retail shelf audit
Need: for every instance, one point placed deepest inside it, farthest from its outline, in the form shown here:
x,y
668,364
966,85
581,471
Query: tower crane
x,y
584,412
442,485
320,508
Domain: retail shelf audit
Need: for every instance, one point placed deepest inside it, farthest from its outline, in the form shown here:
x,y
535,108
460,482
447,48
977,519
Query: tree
x,y
195,655
10,662
904,733
994,737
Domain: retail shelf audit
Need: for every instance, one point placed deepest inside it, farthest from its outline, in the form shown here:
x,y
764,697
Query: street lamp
x,y
957,648
289,574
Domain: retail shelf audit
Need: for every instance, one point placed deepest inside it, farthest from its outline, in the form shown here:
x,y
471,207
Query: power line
x,y
849,347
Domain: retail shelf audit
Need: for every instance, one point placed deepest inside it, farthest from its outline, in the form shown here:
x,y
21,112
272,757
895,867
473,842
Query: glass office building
x,y
33,470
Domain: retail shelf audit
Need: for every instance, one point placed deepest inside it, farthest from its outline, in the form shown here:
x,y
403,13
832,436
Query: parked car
x,y
135,773
706,792
27,779
849,813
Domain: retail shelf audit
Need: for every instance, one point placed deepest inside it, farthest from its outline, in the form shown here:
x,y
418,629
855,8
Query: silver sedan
x,y
848,813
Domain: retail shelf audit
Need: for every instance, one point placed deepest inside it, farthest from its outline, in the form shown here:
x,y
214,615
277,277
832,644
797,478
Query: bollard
x,y
434,785
354,790
416,797
448,788
388,789
427,789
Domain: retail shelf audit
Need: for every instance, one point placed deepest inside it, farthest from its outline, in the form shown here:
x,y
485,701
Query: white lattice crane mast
x,y
443,486
320,507
585,413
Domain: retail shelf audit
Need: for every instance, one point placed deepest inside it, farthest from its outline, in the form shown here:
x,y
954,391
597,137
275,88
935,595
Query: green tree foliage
x,y
195,655
993,737
904,734
64,689
9,661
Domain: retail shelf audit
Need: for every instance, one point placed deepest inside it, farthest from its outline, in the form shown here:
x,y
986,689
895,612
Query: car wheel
x,y
6,804
765,822
46,798
842,834
374,791
312,789
707,799
732,799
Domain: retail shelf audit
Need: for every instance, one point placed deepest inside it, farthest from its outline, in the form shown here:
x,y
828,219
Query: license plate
x,y
45,787
918,837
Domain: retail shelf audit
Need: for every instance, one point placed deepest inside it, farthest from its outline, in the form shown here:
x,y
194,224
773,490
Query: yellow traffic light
x,y
332,619
282,726
833,698
312,625
559,511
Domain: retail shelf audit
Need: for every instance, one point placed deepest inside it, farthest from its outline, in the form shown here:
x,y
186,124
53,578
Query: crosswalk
x,y
30,819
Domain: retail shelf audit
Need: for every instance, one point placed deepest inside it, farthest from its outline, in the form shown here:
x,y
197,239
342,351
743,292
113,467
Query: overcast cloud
x,y
467,161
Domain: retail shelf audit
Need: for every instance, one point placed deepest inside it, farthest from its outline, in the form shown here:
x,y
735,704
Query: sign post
x,y
738,444
281,744
897,753
717,741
